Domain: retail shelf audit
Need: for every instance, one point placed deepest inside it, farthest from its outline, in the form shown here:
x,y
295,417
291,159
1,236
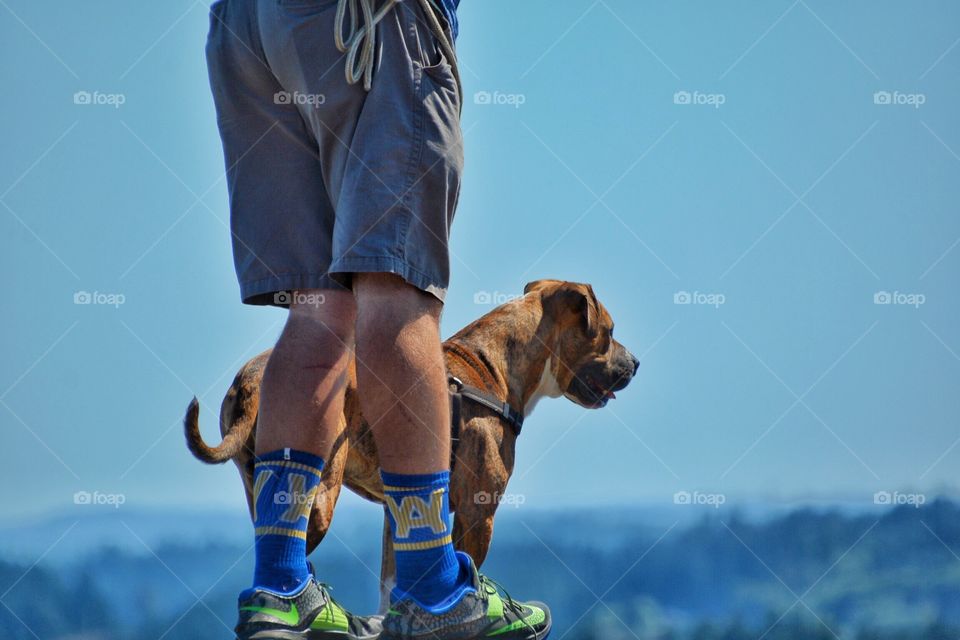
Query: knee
x,y
322,315
387,306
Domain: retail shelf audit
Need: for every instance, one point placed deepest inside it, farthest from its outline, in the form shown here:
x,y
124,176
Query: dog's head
x,y
590,365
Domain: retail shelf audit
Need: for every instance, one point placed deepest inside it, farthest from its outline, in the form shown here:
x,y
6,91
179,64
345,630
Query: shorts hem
x,y
361,264
265,291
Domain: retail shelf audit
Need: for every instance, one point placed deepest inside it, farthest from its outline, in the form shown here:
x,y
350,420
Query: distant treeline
x,y
807,575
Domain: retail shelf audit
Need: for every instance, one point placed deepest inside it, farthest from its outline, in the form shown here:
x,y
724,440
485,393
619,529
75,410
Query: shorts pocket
x,y
424,49
429,56
438,63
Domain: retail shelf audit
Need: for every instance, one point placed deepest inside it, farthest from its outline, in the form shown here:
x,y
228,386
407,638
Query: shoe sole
x,y
522,634
525,634
281,634
519,634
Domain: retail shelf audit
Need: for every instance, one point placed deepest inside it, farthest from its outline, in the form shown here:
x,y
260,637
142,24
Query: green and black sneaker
x,y
309,614
479,613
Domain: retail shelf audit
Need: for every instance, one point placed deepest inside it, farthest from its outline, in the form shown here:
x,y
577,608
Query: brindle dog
x,y
556,340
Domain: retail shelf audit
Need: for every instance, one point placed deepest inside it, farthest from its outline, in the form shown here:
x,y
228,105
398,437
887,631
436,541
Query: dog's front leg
x,y
325,500
473,532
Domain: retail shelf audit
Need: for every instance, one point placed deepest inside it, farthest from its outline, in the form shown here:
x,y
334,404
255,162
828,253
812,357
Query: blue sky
x,y
733,151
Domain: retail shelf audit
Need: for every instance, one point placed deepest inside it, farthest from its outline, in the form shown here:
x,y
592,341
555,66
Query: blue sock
x,y
419,510
285,484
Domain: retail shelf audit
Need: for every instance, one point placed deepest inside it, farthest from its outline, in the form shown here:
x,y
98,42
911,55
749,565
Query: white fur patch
x,y
548,387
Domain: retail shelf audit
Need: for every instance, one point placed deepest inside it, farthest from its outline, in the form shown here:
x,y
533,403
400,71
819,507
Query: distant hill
x,y
811,573
96,526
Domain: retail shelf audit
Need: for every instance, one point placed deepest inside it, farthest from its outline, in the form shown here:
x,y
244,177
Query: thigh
x,y
281,217
298,42
392,157
402,180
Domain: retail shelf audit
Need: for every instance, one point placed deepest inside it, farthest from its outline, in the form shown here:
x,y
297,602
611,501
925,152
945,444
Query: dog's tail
x,y
231,444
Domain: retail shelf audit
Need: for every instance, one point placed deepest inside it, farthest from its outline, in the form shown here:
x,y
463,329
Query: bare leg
x,y
301,397
401,374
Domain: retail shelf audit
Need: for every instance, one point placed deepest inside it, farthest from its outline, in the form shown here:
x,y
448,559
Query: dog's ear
x,y
540,284
581,300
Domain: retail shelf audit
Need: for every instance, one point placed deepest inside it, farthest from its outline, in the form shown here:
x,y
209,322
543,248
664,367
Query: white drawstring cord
x,y
361,38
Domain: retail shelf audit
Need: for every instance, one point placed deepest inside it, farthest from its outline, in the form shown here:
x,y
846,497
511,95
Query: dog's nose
x,y
636,364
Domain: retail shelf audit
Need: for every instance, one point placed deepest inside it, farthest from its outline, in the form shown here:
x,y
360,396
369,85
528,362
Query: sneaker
x,y
307,614
475,612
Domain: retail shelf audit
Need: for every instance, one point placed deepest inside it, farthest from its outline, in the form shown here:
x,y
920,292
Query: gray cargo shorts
x,y
326,179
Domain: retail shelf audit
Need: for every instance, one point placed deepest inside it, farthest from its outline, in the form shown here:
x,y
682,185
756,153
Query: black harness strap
x,y
508,414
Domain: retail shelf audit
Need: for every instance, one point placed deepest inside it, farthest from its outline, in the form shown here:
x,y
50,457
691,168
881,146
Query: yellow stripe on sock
x,y
289,464
420,546
387,487
280,531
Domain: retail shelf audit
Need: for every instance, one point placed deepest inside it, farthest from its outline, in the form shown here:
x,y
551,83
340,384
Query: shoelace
x,y
492,587
359,42
326,588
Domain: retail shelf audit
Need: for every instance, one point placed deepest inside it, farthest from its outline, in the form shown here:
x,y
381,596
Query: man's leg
x,y
402,381
301,403
401,374
282,221
403,389
301,396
